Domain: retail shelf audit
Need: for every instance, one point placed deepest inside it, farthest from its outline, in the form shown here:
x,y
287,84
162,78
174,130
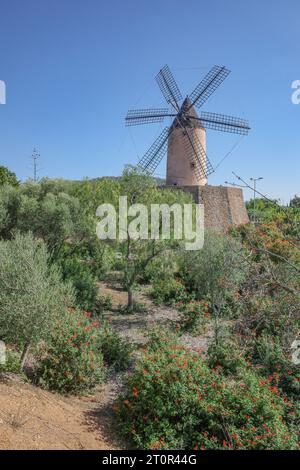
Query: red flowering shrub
x,y
175,401
194,315
269,236
73,361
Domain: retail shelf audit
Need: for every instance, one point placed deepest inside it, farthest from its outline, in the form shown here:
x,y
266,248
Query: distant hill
x,y
159,181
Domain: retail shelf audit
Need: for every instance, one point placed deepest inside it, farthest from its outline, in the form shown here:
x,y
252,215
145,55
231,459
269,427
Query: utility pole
x,y
254,195
35,157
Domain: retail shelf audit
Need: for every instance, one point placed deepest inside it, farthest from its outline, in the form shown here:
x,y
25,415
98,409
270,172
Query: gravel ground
x,y
135,326
31,418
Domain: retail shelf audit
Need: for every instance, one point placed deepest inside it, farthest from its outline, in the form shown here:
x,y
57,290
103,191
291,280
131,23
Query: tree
x,y
32,293
7,177
137,253
216,269
263,208
295,201
53,216
216,272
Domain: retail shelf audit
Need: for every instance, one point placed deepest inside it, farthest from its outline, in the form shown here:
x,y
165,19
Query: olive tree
x,y
53,216
7,177
138,252
32,293
216,272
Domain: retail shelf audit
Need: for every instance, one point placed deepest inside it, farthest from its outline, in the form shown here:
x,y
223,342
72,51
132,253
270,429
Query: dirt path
x,y
135,326
32,418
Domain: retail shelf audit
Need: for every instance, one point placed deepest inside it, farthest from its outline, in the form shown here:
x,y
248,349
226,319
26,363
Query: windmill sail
x,y
197,155
169,87
221,122
156,152
208,85
185,140
136,117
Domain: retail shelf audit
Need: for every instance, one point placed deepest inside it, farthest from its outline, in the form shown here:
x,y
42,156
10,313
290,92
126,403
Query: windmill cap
x,y
187,108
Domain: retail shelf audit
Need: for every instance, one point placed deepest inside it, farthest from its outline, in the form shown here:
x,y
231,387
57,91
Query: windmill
x,y
185,139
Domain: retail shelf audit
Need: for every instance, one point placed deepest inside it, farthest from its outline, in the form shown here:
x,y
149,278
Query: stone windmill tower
x,y
188,166
181,169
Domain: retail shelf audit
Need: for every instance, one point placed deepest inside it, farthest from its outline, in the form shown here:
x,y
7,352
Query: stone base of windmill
x,y
224,206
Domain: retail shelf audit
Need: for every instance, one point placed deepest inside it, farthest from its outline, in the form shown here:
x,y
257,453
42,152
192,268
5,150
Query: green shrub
x,y
7,177
101,257
84,283
103,302
158,338
94,252
116,351
51,217
72,361
217,270
161,267
271,356
12,362
32,293
225,351
194,316
168,291
174,401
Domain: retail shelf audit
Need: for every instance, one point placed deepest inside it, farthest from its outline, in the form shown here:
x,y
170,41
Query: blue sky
x,y
73,68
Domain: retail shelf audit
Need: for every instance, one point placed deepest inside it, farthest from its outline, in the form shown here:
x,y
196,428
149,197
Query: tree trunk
x,y
130,298
24,356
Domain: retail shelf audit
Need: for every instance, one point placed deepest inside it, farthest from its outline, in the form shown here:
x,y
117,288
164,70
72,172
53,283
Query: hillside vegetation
x,y
201,344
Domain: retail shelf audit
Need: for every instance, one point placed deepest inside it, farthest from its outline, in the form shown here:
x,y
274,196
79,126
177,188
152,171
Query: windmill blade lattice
x,y
197,155
186,118
221,122
169,87
156,152
208,85
137,117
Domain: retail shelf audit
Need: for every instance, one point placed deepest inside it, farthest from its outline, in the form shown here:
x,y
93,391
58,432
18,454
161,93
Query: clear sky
x,y
73,67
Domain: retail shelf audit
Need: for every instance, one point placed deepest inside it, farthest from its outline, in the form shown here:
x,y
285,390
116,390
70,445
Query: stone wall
x,y
223,206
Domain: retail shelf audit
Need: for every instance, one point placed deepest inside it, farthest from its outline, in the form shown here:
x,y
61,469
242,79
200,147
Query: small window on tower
x,y
192,165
